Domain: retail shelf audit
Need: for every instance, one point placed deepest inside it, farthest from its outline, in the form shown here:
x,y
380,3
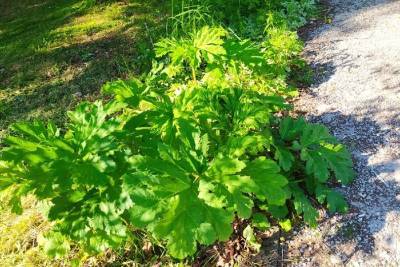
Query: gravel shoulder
x,y
356,93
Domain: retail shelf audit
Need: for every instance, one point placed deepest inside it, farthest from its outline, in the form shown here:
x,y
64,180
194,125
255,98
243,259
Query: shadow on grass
x,y
26,25
45,82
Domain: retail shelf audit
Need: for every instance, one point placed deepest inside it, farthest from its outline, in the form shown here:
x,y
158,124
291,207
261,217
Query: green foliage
x,y
180,154
228,11
282,49
55,245
245,17
178,166
296,13
260,221
251,241
216,58
204,45
76,171
289,14
189,18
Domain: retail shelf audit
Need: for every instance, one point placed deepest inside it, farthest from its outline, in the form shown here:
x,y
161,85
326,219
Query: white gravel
x,y
357,95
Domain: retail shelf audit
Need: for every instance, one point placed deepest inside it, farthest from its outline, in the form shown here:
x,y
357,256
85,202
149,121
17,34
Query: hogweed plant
x,y
179,155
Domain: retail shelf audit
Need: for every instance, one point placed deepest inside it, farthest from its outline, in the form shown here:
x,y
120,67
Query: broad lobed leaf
x,y
180,159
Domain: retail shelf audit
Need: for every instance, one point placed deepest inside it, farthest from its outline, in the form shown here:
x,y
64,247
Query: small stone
x,y
77,94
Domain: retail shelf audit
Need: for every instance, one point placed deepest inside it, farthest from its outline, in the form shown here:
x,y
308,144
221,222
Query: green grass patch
x,y
54,53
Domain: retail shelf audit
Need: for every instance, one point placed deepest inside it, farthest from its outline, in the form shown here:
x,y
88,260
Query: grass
x,y
53,54
19,235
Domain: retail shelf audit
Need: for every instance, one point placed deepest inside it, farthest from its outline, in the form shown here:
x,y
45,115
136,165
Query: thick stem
x,y
194,74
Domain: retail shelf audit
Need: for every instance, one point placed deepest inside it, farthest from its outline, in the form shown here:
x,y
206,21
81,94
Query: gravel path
x,y
357,95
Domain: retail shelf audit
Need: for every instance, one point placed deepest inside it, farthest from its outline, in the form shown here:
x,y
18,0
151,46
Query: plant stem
x,y
194,74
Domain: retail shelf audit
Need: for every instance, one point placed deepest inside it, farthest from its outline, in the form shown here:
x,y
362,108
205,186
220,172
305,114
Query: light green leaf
x,y
286,225
260,221
251,240
188,220
265,173
55,245
206,234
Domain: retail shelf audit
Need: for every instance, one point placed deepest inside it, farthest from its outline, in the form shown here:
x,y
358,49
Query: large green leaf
x,y
303,206
271,184
186,220
204,45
